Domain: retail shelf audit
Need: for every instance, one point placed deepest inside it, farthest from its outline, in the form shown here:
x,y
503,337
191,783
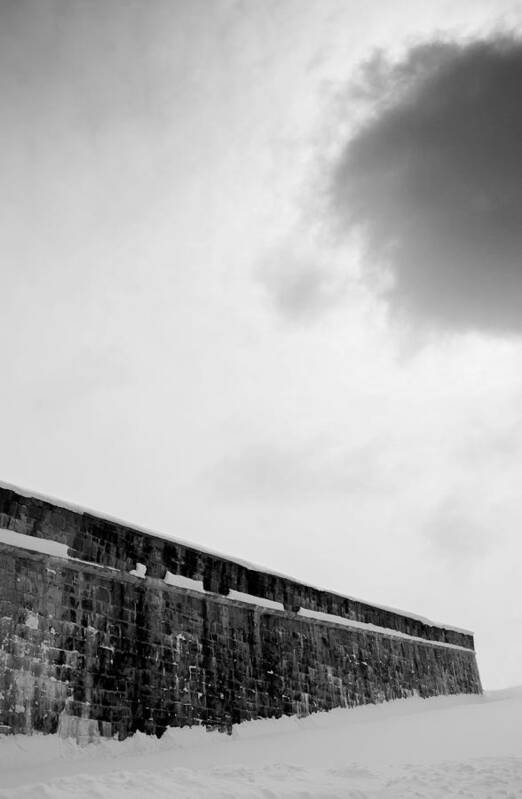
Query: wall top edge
x,y
82,511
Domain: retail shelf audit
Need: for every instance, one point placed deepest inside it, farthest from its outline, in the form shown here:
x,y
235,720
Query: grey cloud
x,y
302,285
308,473
456,535
432,180
66,385
495,448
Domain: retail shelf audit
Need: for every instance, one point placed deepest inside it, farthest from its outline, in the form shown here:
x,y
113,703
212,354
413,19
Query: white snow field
x,y
443,747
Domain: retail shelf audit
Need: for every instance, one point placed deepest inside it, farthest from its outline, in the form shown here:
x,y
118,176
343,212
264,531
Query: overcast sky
x,y
262,286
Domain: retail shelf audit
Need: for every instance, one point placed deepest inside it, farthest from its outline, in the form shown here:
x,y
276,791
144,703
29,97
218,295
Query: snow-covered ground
x,y
443,747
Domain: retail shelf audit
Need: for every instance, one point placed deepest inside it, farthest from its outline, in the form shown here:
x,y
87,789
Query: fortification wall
x,y
88,646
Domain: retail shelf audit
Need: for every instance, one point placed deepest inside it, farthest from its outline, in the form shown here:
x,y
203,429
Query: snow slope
x,y
442,747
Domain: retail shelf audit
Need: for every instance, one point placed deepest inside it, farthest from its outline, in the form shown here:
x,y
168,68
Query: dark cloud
x,y
432,179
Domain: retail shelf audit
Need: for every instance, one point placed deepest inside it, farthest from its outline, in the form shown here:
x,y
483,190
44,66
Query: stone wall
x,y
93,649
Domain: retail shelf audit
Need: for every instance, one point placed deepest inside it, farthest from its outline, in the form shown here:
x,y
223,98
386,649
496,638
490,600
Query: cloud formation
x,y
302,281
432,179
456,534
312,472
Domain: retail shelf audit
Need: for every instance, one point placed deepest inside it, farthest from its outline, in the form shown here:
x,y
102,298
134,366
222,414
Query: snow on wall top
x,y
43,545
82,510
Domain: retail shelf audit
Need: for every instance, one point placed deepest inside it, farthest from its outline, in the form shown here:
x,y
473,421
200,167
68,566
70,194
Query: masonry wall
x,y
87,646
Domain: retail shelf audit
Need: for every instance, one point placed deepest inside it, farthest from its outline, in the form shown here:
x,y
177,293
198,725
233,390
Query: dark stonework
x,y
86,645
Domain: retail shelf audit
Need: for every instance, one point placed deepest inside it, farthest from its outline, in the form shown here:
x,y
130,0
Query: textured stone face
x,y
91,649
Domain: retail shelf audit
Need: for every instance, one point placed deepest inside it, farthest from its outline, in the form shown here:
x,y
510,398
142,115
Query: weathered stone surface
x,y
88,648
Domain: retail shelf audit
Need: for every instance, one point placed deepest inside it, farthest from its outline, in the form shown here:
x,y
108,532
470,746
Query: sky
x,y
262,288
